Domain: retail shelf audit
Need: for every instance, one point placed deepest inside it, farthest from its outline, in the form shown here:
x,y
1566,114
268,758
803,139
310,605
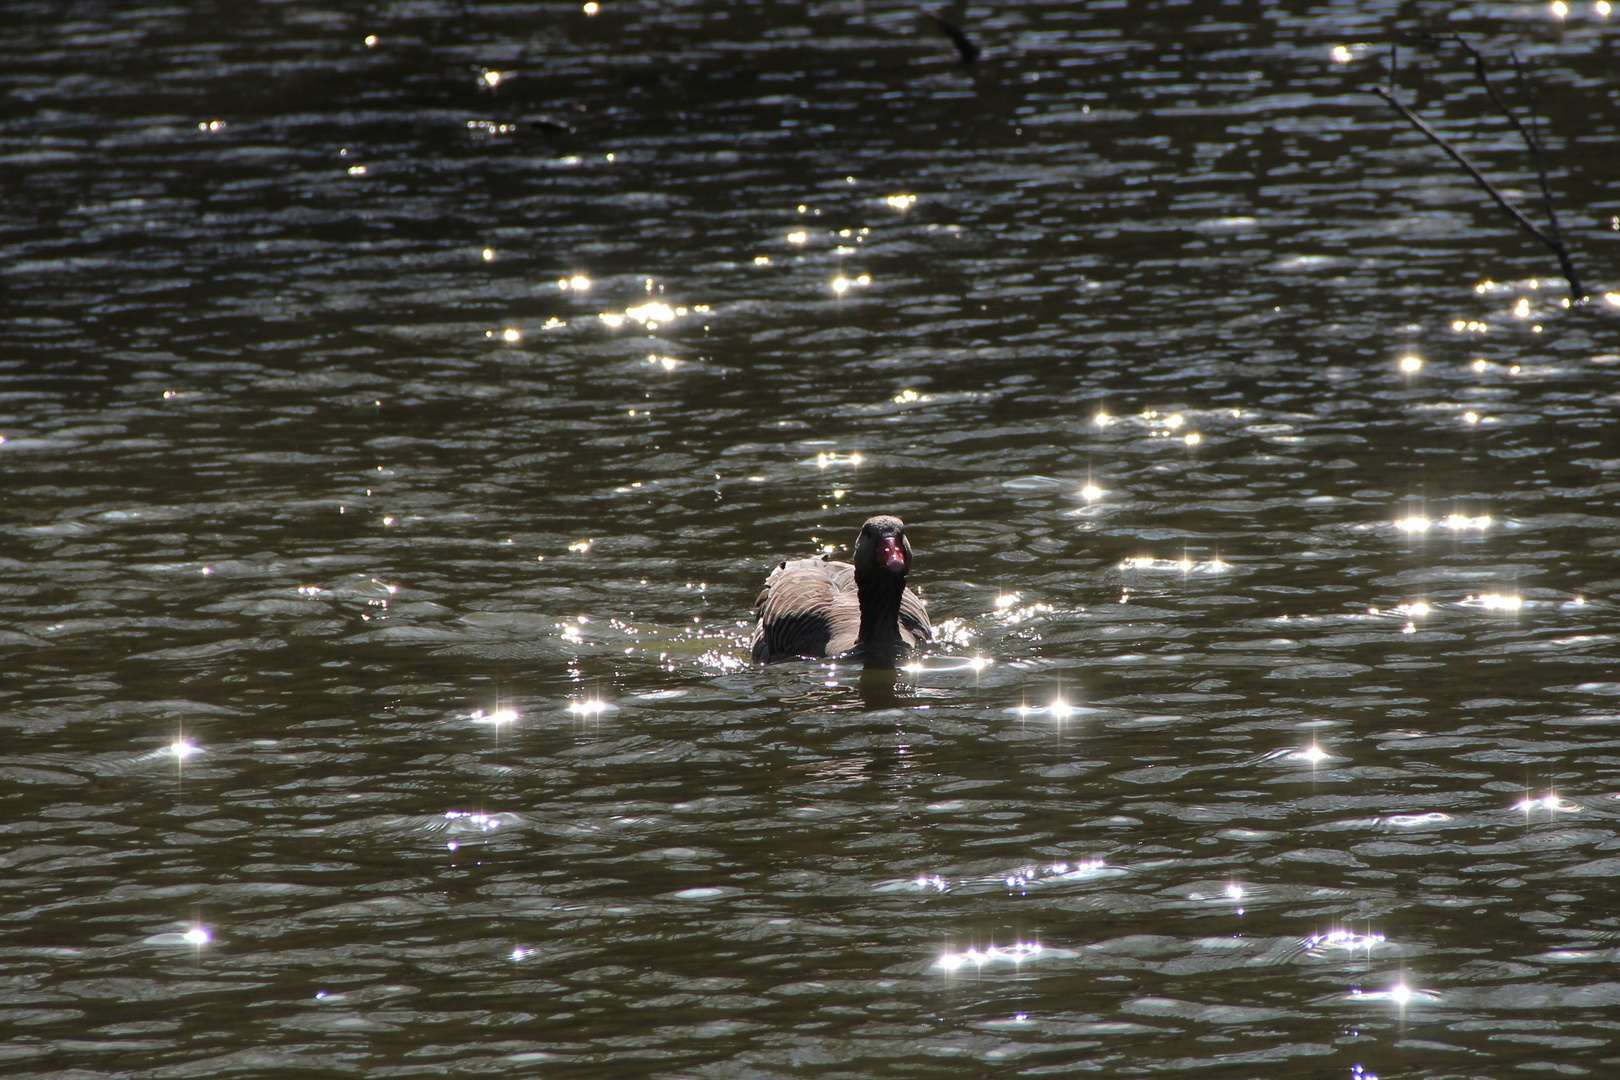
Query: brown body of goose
x,y
816,608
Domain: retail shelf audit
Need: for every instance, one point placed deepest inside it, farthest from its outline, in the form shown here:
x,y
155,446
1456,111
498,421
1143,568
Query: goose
x,y
816,608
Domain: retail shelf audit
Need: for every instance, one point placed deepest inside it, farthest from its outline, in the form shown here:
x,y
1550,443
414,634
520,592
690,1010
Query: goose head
x,y
882,551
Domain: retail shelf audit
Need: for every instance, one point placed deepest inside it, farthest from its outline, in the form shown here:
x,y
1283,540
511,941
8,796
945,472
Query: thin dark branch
x,y
1532,139
965,47
1535,135
1555,246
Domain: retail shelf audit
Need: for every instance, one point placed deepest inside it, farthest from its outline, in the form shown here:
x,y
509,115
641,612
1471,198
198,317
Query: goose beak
x,y
891,556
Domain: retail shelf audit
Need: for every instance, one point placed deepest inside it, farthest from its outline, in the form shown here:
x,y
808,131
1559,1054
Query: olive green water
x,y
397,433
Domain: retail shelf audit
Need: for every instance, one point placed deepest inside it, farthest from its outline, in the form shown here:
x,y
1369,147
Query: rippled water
x,y
397,433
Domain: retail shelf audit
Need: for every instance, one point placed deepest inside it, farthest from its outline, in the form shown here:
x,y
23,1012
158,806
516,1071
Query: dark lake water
x,y
403,403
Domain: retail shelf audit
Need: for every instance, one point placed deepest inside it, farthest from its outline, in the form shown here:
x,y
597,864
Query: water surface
x,y
403,405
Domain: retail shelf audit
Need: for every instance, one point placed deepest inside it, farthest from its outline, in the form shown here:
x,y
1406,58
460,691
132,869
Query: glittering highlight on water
x,y
1492,602
1550,802
1011,954
1342,941
484,823
1412,821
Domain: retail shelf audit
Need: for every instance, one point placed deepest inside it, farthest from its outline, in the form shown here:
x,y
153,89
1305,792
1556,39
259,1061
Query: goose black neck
x,y
879,641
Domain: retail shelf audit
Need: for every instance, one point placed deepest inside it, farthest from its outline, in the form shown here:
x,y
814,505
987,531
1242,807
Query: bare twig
x,y
1535,143
1555,246
965,47
1532,138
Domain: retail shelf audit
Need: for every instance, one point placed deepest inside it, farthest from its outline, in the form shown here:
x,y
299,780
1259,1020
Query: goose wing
x,y
914,620
807,608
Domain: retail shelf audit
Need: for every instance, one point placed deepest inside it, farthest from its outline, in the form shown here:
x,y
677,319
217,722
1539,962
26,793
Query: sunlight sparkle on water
x,y
901,202
1091,493
1550,802
577,283
1011,954
1401,994
591,707
1343,940
1184,565
1602,8
198,936
182,749
1411,364
1493,602
1458,522
1080,869
484,823
1314,754
1342,55
1417,821
498,717
1413,524
651,314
